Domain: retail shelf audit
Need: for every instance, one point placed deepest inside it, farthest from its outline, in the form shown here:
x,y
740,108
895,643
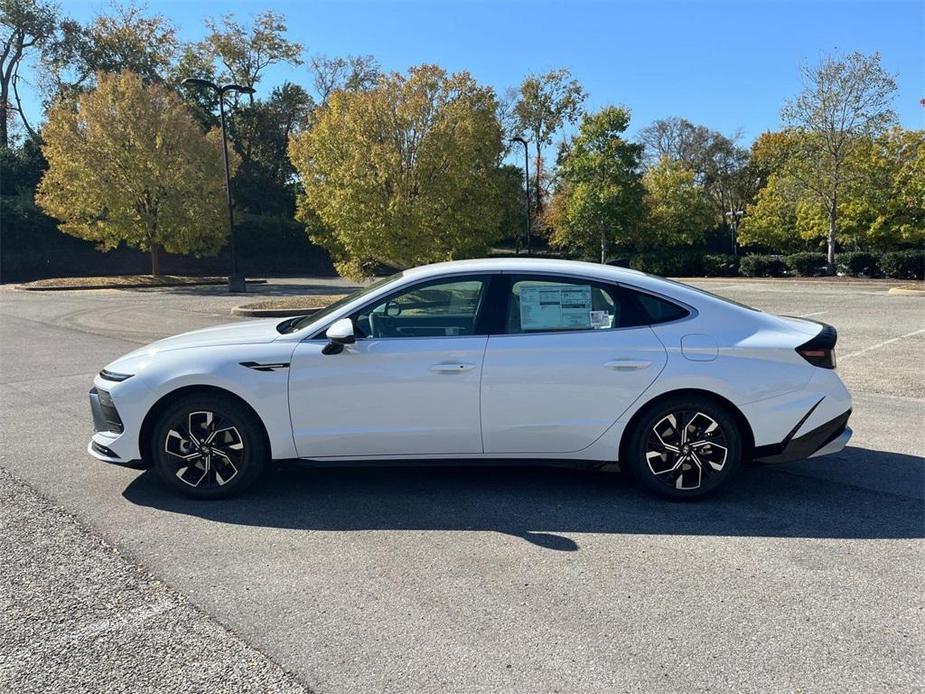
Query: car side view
x,y
537,360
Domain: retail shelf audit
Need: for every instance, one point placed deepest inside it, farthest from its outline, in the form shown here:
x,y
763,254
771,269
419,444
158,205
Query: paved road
x,y
801,577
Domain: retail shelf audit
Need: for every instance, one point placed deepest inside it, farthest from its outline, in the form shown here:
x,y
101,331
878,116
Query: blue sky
x,y
728,65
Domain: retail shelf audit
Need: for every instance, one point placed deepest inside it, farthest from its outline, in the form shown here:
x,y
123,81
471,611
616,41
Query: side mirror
x,y
339,334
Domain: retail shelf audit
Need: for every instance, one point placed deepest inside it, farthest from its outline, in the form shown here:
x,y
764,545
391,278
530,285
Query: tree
x,y
402,174
717,162
678,209
881,201
353,73
127,39
600,196
265,180
842,102
25,24
130,164
246,53
546,103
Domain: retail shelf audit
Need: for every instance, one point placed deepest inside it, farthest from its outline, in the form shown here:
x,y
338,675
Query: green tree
x,y
404,173
842,103
245,53
265,180
545,104
599,201
127,39
678,208
881,203
720,165
130,164
24,25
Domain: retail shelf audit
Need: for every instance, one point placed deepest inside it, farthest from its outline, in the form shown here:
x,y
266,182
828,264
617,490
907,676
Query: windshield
x,y
290,325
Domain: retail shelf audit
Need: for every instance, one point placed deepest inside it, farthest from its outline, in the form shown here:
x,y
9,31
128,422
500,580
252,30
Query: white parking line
x,y
880,344
807,315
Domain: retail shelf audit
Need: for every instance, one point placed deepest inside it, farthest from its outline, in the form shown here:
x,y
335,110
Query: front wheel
x,y
683,448
208,446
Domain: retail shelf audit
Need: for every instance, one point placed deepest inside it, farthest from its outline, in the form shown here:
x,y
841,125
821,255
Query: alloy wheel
x,y
685,448
208,449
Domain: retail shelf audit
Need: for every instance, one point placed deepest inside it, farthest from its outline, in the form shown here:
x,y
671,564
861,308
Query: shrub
x,y
806,264
903,265
669,262
762,266
858,263
720,265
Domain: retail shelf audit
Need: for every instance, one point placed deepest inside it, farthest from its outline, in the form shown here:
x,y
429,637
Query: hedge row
x,y
909,264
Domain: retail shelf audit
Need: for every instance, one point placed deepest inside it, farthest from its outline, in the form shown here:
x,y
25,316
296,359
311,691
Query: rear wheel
x,y
684,448
208,446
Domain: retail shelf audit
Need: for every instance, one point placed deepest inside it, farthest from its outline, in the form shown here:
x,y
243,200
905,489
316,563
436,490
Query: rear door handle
x,y
453,367
627,364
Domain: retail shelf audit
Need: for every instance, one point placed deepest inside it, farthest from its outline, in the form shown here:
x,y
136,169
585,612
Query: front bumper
x,y
830,437
108,429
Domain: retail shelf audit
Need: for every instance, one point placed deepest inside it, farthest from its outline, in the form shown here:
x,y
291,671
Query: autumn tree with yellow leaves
x,y
129,164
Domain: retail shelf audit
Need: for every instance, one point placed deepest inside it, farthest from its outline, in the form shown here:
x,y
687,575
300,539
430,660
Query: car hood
x,y
242,333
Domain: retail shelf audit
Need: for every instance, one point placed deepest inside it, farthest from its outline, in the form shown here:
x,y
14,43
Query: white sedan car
x,y
538,360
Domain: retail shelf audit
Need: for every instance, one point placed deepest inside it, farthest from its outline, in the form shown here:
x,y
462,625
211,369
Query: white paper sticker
x,y
562,307
600,319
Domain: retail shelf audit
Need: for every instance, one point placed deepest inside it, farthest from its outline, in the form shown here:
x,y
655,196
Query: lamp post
x,y
735,217
526,183
235,280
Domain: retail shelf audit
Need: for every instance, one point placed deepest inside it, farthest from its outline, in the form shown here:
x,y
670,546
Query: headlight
x,y
113,376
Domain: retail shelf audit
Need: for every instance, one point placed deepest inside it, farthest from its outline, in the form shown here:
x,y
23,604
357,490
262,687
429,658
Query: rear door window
x,y
552,305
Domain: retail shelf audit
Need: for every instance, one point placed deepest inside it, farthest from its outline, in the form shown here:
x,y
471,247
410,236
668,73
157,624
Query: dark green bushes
x,y
720,265
858,264
806,264
669,262
762,266
903,265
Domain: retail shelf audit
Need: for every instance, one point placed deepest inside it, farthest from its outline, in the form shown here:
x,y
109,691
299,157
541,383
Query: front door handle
x,y
451,367
627,364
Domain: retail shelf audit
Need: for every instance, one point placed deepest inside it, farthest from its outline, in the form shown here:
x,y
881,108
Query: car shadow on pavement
x,y
858,493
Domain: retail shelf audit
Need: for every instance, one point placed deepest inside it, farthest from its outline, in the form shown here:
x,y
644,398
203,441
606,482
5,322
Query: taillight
x,y
824,358
820,351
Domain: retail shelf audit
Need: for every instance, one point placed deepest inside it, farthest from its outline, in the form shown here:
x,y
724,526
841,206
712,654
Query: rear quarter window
x,y
656,310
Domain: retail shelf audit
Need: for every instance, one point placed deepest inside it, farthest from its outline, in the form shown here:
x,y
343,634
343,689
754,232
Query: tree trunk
x,y
4,116
830,255
155,259
603,247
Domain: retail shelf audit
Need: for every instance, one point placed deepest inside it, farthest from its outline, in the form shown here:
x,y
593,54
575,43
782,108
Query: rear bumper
x,y
830,437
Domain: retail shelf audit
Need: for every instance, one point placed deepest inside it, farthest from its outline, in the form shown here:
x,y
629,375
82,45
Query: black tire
x,y
661,455
226,453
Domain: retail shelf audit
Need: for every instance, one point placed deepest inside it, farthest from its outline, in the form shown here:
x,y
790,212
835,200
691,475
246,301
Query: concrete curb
x,y
205,283
243,310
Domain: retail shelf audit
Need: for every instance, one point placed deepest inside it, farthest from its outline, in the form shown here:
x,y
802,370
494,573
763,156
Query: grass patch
x,y
294,302
120,282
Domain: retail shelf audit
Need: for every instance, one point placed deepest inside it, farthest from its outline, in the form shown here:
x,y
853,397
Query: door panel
x,y
415,396
565,370
551,393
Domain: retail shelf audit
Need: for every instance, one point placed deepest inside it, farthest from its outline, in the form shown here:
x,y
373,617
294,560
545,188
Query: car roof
x,y
555,265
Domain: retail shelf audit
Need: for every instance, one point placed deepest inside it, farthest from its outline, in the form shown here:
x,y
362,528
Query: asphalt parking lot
x,y
802,577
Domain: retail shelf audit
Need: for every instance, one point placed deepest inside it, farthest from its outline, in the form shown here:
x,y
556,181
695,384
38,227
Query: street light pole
x,y
235,280
526,183
736,217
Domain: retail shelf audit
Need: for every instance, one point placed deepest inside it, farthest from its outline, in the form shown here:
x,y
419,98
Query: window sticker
x,y
564,307
600,319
